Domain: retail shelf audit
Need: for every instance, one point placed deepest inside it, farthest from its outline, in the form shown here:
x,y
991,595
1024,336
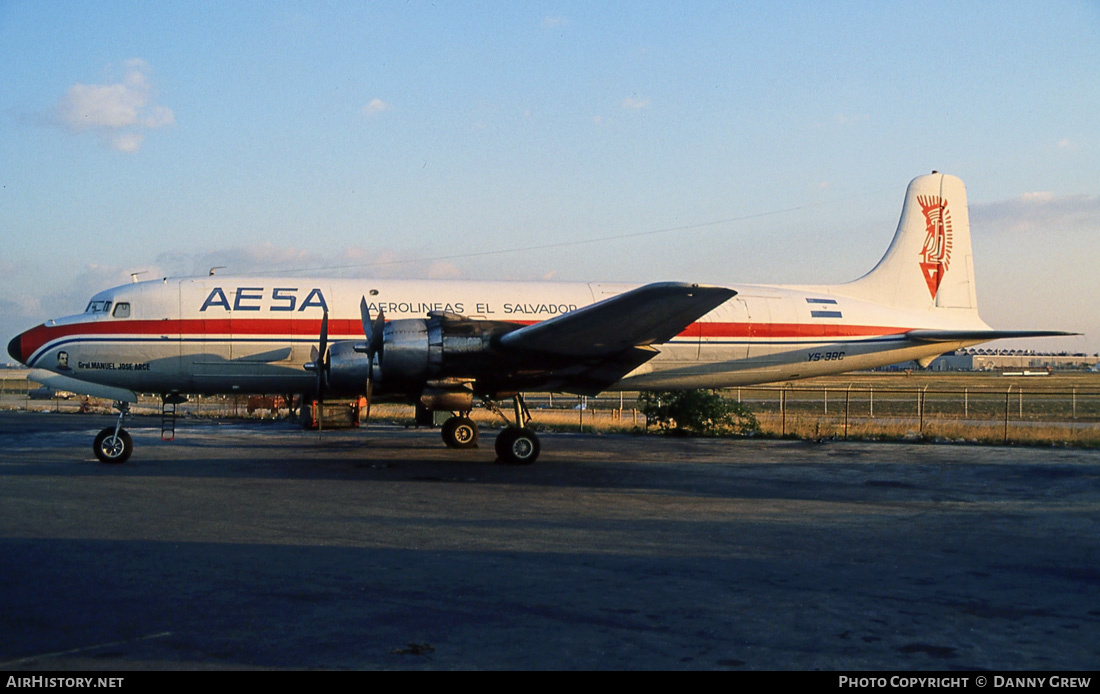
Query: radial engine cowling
x,y
348,369
414,350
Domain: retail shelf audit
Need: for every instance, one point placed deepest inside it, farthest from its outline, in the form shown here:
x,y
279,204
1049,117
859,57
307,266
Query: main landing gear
x,y
460,432
113,444
515,445
518,445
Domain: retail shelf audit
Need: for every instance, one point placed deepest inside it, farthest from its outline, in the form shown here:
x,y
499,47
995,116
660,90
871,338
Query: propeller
x,y
373,331
319,363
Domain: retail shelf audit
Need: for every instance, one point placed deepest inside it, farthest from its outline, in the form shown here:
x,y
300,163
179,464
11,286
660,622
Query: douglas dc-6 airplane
x,y
445,344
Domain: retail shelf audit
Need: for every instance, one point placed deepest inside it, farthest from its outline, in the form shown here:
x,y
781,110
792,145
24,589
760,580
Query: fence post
x,y
872,401
920,408
1007,392
783,410
966,402
1075,402
847,399
826,400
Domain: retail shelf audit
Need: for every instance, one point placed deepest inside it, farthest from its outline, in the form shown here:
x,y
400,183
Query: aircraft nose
x,y
15,348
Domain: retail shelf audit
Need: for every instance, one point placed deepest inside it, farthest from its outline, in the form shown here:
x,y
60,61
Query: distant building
x,y
985,359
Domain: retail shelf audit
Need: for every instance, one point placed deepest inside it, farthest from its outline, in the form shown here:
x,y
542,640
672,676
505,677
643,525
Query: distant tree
x,y
703,412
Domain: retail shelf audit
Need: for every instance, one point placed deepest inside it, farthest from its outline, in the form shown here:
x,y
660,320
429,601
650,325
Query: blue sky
x,y
775,140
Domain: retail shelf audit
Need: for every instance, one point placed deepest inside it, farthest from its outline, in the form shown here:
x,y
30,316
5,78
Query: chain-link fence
x,y
984,410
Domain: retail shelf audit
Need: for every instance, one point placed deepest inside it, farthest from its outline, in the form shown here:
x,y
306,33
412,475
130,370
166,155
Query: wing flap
x,y
648,315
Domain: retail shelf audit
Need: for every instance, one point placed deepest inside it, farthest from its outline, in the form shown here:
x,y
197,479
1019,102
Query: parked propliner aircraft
x,y
447,344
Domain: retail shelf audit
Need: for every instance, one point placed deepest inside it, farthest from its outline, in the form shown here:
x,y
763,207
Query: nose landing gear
x,y
113,444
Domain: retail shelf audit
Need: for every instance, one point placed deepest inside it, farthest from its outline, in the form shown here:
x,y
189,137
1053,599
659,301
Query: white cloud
x,y
375,107
444,271
116,112
159,117
127,142
351,261
1040,211
1035,257
846,119
21,309
1040,196
554,22
99,106
239,260
632,103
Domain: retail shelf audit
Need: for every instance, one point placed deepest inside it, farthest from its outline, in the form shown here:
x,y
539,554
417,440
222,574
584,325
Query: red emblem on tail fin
x,y
936,254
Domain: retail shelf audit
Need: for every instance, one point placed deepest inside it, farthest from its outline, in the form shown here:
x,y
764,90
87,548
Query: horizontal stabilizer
x,y
982,335
75,385
647,315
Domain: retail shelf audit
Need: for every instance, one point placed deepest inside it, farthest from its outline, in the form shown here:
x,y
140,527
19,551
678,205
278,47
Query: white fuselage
x,y
254,334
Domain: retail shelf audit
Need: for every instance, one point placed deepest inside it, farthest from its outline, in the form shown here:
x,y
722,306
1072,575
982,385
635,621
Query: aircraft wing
x,y
983,335
644,316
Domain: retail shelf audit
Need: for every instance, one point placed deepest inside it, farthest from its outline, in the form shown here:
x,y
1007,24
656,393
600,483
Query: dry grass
x,y
1085,435
813,427
1061,409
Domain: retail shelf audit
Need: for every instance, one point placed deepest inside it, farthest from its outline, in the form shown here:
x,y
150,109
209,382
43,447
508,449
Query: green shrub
x,y
703,412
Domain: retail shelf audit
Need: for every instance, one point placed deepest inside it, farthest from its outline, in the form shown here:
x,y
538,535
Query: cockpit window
x,y
122,310
101,306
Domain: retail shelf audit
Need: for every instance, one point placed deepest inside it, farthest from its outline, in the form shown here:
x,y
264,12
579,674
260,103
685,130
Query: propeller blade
x,y
364,312
320,358
374,340
373,330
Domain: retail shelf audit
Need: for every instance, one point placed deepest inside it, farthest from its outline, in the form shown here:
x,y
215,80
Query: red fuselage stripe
x,y
36,337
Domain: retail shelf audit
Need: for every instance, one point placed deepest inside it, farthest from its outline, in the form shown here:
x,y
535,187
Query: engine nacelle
x,y
449,401
414,351
348,369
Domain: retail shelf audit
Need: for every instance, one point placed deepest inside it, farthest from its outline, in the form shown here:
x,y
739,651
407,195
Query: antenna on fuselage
x,y
216,267
134,275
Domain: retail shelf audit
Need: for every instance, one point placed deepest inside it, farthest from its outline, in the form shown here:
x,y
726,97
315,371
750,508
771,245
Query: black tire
x,y
503,442
113,450
460,432
518,446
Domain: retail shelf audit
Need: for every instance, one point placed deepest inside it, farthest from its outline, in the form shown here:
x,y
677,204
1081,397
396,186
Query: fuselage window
x,y
101,306
122,310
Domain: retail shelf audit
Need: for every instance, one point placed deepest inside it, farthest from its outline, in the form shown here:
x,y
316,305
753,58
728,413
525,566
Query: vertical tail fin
x,y
929,264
